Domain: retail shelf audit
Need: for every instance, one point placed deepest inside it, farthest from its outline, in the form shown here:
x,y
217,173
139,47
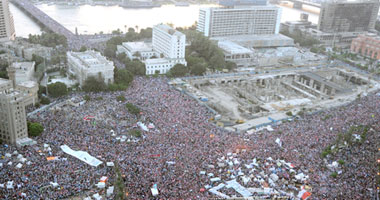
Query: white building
x,y
250,20
243,57
7,28
24,71
169,42
168,46
90,63
158,65
137,50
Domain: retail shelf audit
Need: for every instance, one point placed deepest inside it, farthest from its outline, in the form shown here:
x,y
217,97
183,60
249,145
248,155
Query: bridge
x,y
73,41
299,3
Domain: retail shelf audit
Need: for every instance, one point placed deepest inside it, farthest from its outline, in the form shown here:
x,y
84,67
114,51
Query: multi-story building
x,y
21,76
348,16
7,28
240,55
24,71
169,46
231,21
90,63
169,42
367,45
137,50
13,127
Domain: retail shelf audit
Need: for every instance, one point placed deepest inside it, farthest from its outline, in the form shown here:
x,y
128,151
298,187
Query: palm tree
x,y
137,28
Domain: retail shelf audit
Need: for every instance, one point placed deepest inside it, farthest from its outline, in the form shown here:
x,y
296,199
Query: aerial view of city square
x,y
190,99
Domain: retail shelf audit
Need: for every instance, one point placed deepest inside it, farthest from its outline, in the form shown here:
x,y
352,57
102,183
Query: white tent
x,y
110,164
19,165
54,184
142,126
82,155
109,191
10,185
101,185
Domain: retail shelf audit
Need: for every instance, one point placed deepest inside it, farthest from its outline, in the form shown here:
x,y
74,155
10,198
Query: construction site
x,y
251,101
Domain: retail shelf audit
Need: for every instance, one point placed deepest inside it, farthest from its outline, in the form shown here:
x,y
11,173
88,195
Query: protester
x,y
182,143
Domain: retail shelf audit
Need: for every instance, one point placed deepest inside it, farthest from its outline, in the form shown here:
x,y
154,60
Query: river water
x,y
94,19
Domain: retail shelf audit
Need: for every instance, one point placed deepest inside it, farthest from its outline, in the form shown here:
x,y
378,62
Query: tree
x,y
132,109
87,97
44,100
178,70
197,69
230,65
136,67
123,76
35,129
119,184
37,59
94,84
83,49
57,89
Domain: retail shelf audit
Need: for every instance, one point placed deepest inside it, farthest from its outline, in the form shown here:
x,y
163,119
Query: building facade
x,y
251,20
137,50
7,28
13,126
24,71
348,16
367,45
90,63
241,56
169,42
169,46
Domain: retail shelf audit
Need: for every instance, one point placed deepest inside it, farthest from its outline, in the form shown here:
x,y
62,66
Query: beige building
x,y
24,71
7,28
21,76
90,63
13,126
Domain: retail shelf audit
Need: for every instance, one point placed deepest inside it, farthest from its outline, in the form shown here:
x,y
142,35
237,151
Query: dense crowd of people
x,y
182,143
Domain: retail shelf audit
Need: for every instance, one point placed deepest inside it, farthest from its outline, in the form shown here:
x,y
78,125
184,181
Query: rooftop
x,y
233,48
90,58
242,2
156,61
23,66
28,84
4,81
138,46
169,29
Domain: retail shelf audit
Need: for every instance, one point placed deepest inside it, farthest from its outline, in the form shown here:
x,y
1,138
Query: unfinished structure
x,y
251,101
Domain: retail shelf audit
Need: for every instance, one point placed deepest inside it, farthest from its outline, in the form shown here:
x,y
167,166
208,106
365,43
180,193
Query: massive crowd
x,y
183,143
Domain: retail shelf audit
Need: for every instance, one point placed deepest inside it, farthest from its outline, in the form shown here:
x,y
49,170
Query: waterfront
x,y
88,20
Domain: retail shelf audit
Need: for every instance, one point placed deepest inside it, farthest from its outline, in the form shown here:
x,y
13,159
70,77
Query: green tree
x,y
57,89
44,100
35,129
123,76
136,67
94,84
119,184
83,49
132,108
197,69
178,70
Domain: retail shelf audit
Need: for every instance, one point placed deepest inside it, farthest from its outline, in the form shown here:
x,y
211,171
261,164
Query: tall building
x,y
348,16
7,28
90,63
169,42
13,127
237,20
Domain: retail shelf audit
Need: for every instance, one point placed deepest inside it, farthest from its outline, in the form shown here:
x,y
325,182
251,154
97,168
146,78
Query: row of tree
x,y
48,39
